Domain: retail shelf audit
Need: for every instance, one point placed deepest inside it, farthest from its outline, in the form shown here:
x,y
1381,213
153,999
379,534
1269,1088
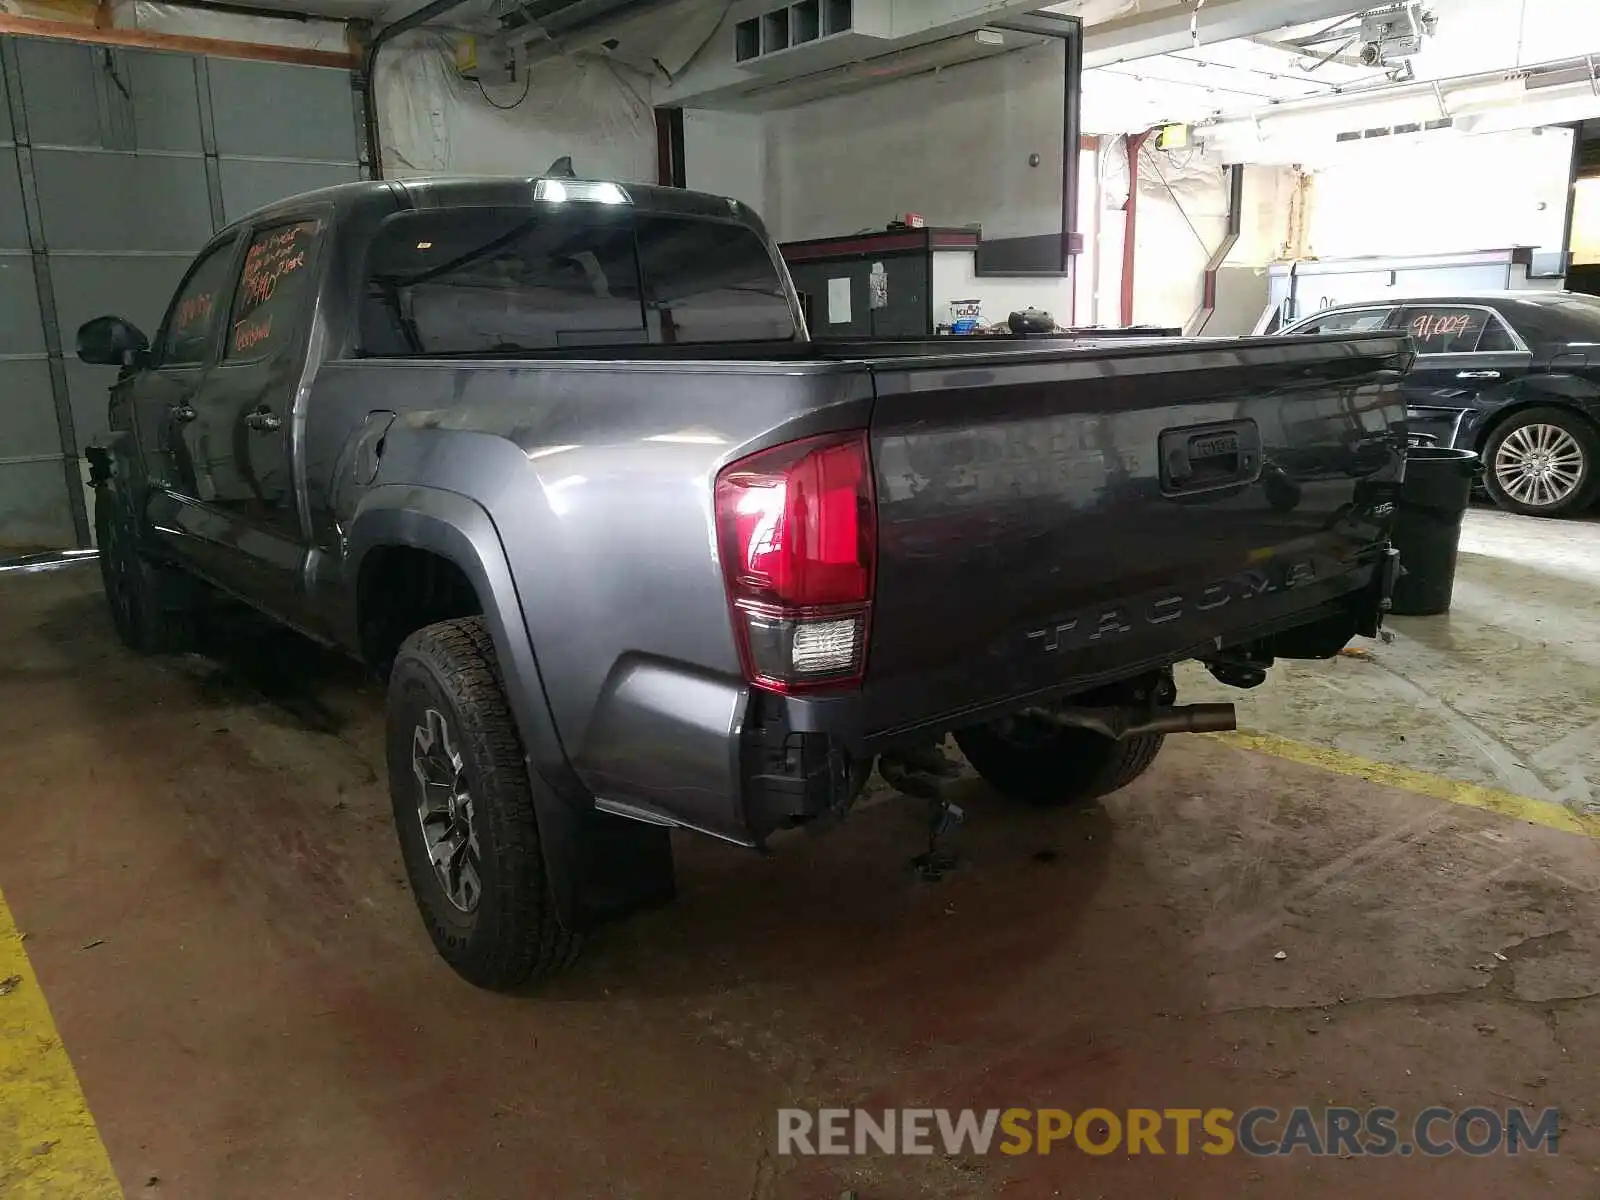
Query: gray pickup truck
x,y
559,460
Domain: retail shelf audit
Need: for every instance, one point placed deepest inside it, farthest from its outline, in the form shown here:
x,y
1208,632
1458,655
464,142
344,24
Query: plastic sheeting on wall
x,y
1182,219
434,122
153,17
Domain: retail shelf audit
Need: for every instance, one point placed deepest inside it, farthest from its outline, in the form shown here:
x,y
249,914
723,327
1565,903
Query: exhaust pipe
x,y
1118,723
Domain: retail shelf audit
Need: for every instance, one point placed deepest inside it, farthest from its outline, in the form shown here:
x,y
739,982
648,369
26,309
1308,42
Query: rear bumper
x,y
1082,651
706,752
803,755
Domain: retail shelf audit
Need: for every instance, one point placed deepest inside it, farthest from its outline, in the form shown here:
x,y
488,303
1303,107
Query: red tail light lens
x,y
796,529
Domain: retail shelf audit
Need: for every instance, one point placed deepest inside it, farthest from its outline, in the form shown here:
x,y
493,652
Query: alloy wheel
x,y
444,809
1539,465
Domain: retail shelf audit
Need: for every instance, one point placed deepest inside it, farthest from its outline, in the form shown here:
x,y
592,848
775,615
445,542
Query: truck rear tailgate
x,y
1050,518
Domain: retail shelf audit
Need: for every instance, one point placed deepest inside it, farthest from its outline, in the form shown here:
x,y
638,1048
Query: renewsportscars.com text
x,y
1340,1132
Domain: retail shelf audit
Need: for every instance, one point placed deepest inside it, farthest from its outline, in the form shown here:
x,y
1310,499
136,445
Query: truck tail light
x,y
797,533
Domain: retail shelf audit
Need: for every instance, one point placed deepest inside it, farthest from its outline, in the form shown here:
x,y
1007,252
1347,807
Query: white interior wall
x,y
433,122
1182,220
955,278
1426,195
725,153
953,145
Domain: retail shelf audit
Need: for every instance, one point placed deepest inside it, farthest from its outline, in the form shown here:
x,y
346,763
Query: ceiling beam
x,y
1170,29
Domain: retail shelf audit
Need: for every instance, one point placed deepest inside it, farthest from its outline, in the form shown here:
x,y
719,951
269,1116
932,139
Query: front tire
x,y
463,808
1543,462
152,607
1041,764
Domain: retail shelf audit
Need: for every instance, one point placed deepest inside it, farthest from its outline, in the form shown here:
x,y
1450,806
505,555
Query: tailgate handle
x,y
1200,458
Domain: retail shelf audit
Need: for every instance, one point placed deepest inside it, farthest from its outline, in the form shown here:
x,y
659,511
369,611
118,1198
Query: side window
x,y
271,291
196,308
1443,329
1350,320
1496,337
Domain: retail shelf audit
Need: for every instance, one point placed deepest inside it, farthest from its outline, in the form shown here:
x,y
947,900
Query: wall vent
x,y
1361,135
791,27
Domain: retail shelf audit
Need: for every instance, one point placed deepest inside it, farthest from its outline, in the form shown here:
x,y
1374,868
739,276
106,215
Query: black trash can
x,y
1427,528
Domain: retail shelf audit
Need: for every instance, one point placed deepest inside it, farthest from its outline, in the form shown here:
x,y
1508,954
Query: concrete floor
x,y
200,854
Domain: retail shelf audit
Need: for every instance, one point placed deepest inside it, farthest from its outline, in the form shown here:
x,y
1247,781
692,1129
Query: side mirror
x,y
111,342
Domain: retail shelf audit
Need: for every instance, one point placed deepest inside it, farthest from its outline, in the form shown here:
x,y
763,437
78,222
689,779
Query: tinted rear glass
x,y
510,280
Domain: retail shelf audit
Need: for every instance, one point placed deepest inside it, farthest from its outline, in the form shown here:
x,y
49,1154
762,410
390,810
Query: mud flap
x,y
626,866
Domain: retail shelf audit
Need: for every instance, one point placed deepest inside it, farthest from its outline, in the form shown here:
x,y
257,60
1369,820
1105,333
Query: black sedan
x,y
1512,375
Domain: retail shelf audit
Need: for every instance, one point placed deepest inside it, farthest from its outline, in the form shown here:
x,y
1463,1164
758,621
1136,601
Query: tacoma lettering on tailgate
x,y
1158,608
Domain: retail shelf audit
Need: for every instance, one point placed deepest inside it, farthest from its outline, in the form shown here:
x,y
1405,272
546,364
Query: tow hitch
x,y
925,772
1135,707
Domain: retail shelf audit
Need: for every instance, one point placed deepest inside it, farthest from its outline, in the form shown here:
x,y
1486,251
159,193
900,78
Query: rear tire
x,y
152,607
1543,462
1050,766
463,797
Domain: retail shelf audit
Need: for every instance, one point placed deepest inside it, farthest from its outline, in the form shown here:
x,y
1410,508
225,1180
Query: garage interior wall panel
x,y
953,145
1429,195
304,139
34,510
136,157
725,153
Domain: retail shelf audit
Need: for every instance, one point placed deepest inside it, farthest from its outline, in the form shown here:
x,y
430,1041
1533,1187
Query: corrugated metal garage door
x,y
116,165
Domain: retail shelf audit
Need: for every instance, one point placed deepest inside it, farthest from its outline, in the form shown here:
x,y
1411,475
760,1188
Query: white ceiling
x,y
1245,77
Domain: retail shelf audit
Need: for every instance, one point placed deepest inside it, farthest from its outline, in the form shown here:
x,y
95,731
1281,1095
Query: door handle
x,y
1477,374
263,422
183,413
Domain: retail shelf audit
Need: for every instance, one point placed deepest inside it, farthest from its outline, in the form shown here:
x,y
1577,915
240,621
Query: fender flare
x,y
460,530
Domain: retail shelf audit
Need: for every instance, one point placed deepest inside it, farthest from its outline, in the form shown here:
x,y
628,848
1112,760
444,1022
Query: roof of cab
x,y
491,190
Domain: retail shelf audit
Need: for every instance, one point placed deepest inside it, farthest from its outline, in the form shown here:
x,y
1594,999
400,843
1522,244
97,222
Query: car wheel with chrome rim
x,y
1541,462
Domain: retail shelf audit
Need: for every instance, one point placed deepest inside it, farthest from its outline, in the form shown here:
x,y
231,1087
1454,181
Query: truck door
x,y
239,440
1466,357
161,395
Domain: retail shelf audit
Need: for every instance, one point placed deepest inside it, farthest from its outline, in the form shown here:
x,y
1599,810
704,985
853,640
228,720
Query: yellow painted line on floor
x,y
49,1146
1472,795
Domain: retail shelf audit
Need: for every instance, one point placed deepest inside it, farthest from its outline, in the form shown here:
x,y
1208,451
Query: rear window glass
x,y
507,280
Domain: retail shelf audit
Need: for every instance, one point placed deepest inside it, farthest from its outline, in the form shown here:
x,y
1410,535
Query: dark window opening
x,y
196,308
486,281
